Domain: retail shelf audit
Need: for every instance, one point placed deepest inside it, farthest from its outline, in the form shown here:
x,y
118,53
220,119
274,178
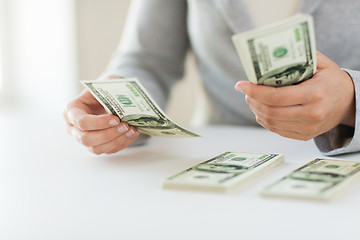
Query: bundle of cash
x,y
225,172
279,54
128,99
320,179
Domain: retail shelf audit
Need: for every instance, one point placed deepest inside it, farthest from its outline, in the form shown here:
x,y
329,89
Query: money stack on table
x,y
319,179
224,173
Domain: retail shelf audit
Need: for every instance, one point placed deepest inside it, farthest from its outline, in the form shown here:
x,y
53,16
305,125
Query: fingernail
x,y
113,122
240,86
123,128
130,133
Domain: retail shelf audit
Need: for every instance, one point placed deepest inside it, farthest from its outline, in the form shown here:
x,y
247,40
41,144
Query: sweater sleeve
x,y
343,139
153,47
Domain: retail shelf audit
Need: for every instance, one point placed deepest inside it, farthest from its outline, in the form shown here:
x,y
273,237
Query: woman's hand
x,y
101,132
308,109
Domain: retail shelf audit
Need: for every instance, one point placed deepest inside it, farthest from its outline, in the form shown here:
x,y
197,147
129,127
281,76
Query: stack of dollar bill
x,y
320,179
128,99
279,54
225,172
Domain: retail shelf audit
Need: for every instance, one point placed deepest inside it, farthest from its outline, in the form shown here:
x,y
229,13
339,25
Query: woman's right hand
x,y
101,132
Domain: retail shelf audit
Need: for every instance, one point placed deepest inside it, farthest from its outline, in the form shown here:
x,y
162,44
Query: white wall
x,y
39,52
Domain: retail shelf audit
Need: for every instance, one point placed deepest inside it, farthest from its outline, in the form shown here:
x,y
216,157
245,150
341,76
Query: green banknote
x,y
320,179
128,99
224,172
279,54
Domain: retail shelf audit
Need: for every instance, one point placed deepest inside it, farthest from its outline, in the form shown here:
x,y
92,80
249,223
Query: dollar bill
x,y
225,172
128,99
279,54
320,179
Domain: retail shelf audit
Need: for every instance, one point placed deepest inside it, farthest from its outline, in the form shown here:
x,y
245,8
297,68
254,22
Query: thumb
x,y
323,61
242,86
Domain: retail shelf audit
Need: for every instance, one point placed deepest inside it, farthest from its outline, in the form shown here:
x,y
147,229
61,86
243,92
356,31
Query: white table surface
x,y
52,188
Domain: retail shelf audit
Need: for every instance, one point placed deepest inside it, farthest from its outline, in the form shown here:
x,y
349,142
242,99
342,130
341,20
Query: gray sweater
x,y
159,34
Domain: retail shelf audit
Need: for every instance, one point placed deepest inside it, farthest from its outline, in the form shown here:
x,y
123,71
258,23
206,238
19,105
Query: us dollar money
x,y
320,179
279,54
225,172
128,99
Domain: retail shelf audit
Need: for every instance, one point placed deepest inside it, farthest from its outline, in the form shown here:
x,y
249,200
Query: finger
x,y
86,98
287,113
88,122
116,144
98,137
79,113
274,96
287,95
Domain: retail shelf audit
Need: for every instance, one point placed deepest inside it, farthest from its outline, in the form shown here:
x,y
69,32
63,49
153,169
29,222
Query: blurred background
x,y
48,46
